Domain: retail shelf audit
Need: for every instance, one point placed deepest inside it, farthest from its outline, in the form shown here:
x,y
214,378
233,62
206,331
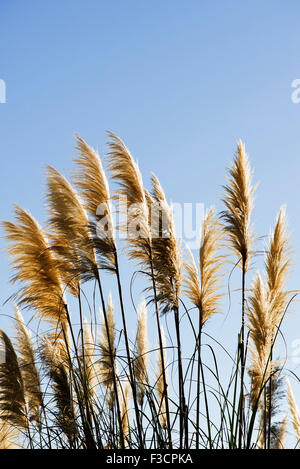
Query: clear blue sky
x,y
179,81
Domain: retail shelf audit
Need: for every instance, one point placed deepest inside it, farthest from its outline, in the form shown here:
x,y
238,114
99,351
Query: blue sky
x,y
179,81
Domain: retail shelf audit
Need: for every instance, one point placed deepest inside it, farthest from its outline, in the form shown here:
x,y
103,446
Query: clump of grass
x,y
93,382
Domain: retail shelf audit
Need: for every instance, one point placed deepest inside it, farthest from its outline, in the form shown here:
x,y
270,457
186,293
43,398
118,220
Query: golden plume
x,y
239,201
267,305
260,326
133,203
166,252
91,180
125,170
35,267
294,410
278,264
202,291
142,349
29,372
125,399
12,394
105,363
71,238
141,236
58,371
89,358
159,383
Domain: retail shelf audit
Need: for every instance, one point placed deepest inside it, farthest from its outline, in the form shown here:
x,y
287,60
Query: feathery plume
x,y
166,256
294,410
278,264
133,203
89,358
159,384
91,180
125,399
239,201
267,305
260,326
191,280
36,268
166,252
71,238
202,291
58,372
105,363
29,372
140,363
12,396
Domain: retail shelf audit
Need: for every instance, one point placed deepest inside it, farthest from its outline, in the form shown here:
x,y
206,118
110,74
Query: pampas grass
x,y
132,197
125,410
142,350
28,368
89,358
261,328
70,382
70,232
161,365
167,267
203,291
278,264
107,353
239,201
36,268
90,178
268,303
166,252
58,371
12,392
